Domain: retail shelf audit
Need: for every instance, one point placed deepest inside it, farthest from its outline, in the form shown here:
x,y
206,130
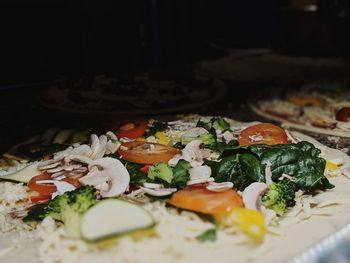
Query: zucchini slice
x,y
22,175
113,217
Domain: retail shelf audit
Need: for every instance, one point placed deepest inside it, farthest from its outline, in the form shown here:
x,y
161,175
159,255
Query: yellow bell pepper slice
x,y
331,166
250,222
162,139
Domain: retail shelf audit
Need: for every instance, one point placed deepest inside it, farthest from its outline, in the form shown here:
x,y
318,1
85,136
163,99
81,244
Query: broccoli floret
x,y
162,171
280,196
207,138
67,208
220,123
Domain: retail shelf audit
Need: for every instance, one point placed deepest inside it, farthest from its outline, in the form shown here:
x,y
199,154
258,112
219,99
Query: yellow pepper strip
x,y
162,139
250,222
140,139
304,100
331,166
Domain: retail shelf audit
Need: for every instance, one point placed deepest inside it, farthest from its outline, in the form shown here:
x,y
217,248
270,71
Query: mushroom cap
x,y
252,195
107,170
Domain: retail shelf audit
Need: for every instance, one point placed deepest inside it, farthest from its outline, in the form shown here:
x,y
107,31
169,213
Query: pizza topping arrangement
x,y
180,187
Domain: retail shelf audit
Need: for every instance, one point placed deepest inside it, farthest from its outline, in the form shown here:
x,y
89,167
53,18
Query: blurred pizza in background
x,y
319,107
141,94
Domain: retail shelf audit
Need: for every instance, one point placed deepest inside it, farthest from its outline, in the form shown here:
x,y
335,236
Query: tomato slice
x,y
39,198
146,152
263,133
198,198
145,168
132,130
343,114
42,189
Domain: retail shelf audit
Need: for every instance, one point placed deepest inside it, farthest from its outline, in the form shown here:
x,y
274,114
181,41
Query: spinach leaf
x,y
301,161
221,147
136,176
155,127
247,164
240,169
209,235
180,174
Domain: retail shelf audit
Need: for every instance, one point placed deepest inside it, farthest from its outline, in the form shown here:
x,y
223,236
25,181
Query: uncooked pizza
x,y
191,189
130,95
322,109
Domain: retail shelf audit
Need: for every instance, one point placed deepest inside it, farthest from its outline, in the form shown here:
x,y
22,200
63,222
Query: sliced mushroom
x,y
252,195
219,187
46,165
153,186
268,173
111,171
78,158
83,150
60,155
192,153
112,143
159,191
198,172
200,181
98,146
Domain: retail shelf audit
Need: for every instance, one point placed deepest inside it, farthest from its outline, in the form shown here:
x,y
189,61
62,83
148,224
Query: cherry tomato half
x,y
42,189
343,114
146,152
263,133
198,198
132,130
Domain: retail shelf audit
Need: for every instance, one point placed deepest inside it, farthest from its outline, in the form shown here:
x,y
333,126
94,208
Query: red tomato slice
x,y
343,114
42,189
132,130
145,168
146,152
263,133
198,198
40,198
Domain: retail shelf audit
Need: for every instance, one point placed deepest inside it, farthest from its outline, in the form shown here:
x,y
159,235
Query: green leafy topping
x,y
218,123
209,235
181,174
240,169
136,176
156,126
244,165
161,171
280,196
300,161
221,147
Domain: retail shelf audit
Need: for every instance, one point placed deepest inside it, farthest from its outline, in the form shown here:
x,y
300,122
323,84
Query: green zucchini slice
x,y
113,217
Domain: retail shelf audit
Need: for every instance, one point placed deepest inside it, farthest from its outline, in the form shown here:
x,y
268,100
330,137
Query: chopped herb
x,y
209,235
181,174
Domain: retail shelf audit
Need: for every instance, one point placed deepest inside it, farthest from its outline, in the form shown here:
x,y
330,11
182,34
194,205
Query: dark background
x,y
42,41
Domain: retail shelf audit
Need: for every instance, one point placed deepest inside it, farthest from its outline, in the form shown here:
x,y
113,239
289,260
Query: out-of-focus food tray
x,y
333,249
